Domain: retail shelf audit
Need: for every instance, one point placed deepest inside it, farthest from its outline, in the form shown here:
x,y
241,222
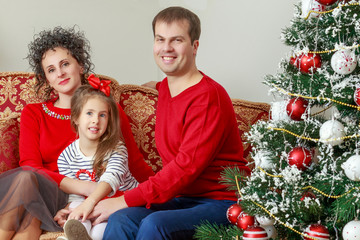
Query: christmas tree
x,y
305,181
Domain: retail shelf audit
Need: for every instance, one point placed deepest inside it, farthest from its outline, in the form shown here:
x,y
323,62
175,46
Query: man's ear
x,y
195,46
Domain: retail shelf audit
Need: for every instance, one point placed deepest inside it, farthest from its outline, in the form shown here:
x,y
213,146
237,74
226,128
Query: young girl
x,y
98,154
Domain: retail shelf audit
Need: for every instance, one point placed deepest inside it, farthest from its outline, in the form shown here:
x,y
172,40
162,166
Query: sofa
x,y
139,103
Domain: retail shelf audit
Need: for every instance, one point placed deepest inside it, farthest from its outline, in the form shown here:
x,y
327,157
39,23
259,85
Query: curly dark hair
x,y
69,38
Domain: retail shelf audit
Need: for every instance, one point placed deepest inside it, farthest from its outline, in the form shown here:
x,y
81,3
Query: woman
x,y
31,195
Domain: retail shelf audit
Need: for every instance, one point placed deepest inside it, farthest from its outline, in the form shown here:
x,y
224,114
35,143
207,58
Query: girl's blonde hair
x,y
110,140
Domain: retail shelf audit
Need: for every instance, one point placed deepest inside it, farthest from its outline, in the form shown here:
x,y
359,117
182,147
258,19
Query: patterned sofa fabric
x,y
139,103
15,92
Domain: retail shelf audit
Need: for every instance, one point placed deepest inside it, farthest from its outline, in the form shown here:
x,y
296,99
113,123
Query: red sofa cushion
x,y
139,104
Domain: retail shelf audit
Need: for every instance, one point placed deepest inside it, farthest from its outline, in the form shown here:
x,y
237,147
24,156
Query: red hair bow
x,y
102,85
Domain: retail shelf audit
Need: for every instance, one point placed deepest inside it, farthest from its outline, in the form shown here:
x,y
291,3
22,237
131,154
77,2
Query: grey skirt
x,y
27,193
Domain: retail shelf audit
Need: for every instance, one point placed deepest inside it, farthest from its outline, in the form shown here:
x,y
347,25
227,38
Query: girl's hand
x,y
83,210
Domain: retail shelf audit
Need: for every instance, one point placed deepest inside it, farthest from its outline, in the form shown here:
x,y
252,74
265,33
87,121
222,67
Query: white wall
x,y
240,41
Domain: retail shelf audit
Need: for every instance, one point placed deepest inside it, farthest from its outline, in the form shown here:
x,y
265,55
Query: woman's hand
x,y
61,216
106,207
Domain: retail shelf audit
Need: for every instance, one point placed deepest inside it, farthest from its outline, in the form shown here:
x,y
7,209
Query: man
x,y
196,136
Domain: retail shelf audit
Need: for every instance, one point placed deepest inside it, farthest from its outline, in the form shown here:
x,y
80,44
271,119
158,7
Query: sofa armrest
x,y
9,141
248,113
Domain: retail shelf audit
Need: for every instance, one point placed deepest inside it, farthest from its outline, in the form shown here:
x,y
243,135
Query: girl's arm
x,y
79,187
85,208
115,176
69,183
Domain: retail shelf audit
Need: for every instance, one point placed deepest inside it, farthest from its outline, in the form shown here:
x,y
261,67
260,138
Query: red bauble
x,y
296,108
294,61
255,232
300,157
307,62
357,96
244,221
233,213
308,194
327,2
317,231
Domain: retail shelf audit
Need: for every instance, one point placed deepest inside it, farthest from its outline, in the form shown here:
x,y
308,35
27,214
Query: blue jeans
x,y
175,219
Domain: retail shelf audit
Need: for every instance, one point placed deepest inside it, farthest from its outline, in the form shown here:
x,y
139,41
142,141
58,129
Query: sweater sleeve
x,y
117,174
157,86
203,135
29,143
137,165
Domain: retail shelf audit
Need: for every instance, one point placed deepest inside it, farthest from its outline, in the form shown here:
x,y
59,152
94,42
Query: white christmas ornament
x,y
264,221
278,111
352,168
311,5
331,132
351,230
271,231
344,61
262,159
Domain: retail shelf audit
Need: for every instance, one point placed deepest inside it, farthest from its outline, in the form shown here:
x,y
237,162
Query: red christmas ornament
x,y
306,62
317,231
294,61
233,213
255,232
308,194
300,157
357,96
244,221
327,2
296,108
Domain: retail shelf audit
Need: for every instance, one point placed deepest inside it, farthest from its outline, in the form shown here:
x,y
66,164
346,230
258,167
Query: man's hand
x,y
151,84
61,216
106,207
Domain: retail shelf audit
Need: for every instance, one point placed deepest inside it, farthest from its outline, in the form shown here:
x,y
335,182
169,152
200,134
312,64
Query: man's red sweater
x,y
196,136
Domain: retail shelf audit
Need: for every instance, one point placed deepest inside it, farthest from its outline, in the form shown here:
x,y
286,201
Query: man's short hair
x,y
172,14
